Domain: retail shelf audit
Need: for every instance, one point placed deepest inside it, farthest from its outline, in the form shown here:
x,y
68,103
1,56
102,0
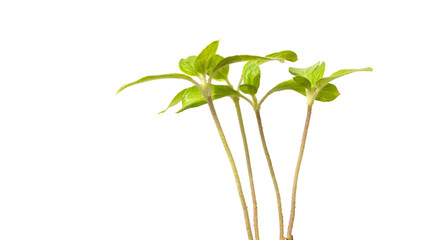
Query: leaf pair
x,y
195,65
192,97
308,76
204,63
311,83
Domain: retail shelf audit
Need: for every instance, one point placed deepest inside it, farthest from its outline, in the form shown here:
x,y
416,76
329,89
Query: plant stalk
x,y
249,166
233,166
294,188
273,176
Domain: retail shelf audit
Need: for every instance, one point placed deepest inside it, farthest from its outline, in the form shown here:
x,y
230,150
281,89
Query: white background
x,y
79,162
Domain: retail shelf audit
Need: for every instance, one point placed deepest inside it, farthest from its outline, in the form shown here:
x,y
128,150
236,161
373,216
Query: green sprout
x,y
208,66
311,83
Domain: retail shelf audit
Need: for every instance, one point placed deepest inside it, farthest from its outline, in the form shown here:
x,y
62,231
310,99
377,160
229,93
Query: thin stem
x,y
273,177
240,82
263,98
233,166
294,189
248,163
246,99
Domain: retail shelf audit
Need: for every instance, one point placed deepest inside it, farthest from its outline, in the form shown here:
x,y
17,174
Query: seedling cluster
x,y
208,66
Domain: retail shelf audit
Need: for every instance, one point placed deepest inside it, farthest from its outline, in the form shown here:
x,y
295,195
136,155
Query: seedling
x,y
251,76
311,83
208,66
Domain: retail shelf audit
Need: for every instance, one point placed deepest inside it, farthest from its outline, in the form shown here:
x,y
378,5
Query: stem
x,y
273,177
248,163
294,189
233,166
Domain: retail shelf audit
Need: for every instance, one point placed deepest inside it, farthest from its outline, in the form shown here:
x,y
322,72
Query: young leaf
x,y
328,93
222,74
286,55
205,58
248,89
303,81
304,72
312,73
156,77
177,99
187,65
193,97
317,73
286,85
338,74
252,75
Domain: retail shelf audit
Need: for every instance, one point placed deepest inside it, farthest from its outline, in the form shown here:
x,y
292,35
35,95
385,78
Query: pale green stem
x,y
248,163
294,188
273,177
233,166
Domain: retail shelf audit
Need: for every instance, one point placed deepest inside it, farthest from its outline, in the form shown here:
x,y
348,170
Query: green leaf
x,y
287,85
304,72
193,97
222,74
328,93
177,99
303,82
317,73
248,89
252,75
156,77
286,55
242,58
187,66
312,73
205,58
338,74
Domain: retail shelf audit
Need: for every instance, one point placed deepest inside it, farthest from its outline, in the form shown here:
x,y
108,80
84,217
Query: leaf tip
x,y
293,57
120,89
216,42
